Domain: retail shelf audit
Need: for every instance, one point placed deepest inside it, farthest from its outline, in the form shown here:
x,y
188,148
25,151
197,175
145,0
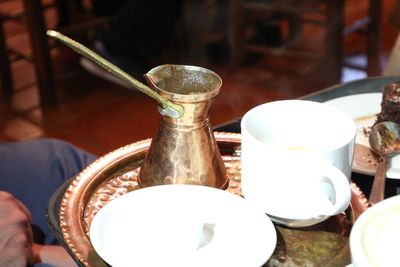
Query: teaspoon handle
x,y
171,109
378,186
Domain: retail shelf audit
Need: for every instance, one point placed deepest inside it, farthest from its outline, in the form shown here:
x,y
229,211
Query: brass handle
x,y
169,108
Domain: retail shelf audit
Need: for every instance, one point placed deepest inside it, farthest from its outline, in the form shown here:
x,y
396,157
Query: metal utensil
x,y
384,140
169,108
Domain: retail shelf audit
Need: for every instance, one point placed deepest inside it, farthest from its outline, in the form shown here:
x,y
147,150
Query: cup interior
x,y
158,230
182,225
169,231
374,236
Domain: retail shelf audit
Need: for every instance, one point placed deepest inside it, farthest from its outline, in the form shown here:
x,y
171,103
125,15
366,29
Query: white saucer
x,y
241,234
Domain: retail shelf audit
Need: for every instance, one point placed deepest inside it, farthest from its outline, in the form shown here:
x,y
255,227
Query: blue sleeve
x,y
33,170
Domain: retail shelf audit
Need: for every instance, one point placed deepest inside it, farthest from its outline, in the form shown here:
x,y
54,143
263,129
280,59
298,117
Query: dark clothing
x,y
33,170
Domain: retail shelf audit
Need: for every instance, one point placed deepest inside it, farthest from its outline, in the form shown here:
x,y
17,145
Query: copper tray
x,y
115,174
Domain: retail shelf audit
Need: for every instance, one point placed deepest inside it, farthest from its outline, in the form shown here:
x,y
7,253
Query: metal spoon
x,y
384,140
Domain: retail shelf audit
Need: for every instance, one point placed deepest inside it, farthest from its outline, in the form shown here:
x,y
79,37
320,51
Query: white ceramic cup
x,y
296,160
375,235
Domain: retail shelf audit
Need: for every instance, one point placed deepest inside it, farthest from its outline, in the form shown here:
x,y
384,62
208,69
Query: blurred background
x,y
263,51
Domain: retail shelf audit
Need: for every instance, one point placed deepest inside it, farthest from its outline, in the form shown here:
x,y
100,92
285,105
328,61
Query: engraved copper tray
x,y
115,174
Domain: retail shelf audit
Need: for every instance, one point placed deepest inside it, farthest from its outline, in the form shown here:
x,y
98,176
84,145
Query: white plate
x,y
363,109
242,235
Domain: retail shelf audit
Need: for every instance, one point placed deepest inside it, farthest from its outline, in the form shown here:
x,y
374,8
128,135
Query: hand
x,y
16,237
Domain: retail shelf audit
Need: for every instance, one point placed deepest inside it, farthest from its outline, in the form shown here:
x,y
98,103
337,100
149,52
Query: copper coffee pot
x,y
184,149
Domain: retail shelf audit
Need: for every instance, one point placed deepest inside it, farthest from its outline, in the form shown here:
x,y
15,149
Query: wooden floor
x,y
100,117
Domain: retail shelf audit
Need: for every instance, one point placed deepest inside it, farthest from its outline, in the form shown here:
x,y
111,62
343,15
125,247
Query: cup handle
x,y
340,185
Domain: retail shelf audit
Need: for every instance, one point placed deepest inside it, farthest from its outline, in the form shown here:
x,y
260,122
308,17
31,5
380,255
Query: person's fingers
x,y
16,236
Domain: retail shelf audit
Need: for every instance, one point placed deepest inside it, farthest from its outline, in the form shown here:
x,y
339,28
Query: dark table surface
x,y
367,85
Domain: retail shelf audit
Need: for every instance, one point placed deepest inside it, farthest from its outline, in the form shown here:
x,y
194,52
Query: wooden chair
x,y
324,13
5,69
80,22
